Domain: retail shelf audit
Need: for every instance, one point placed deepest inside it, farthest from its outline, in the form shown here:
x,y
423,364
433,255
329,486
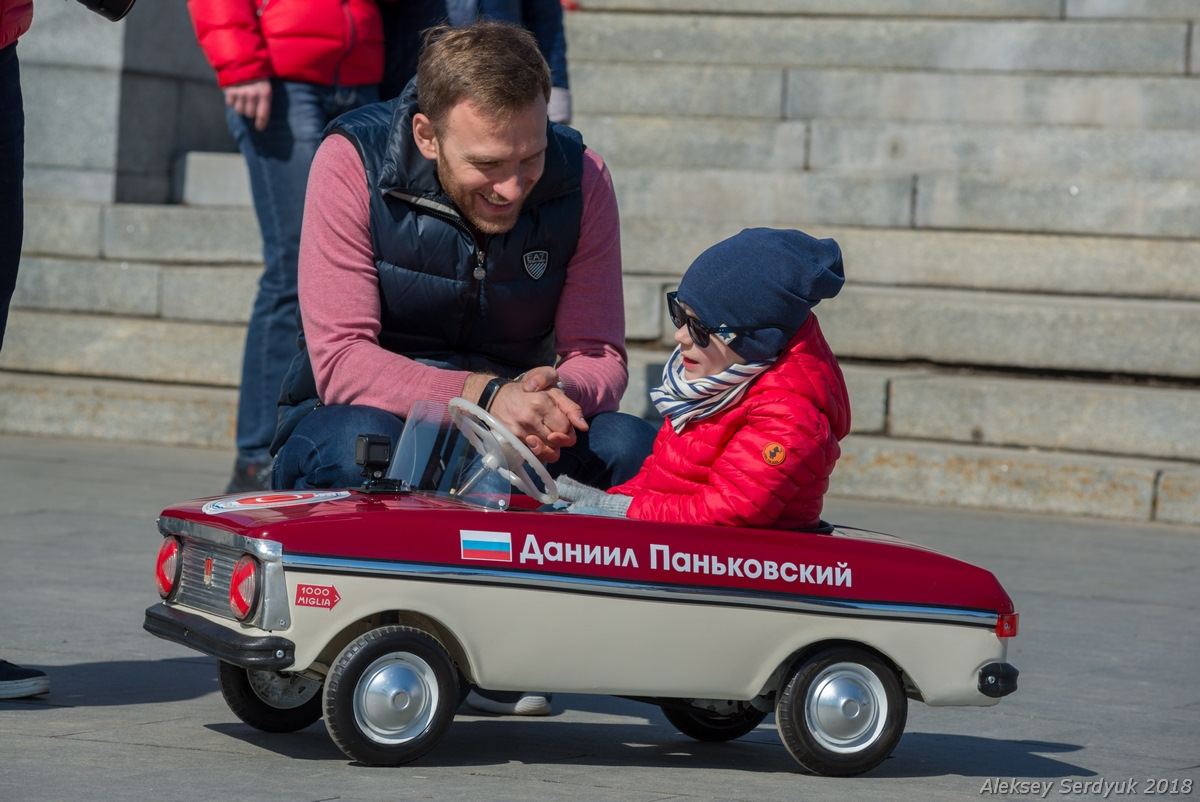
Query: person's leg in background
x,y
15,682
278,159
404,23
12,172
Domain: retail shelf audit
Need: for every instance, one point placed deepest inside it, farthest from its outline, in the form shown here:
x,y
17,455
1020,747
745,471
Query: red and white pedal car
x,y
377,607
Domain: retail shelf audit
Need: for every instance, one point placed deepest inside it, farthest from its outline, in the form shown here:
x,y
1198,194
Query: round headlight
x,y
166,570
243,588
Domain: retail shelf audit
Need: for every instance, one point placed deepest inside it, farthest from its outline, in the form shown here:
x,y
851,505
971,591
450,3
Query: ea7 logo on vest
x,y
536,263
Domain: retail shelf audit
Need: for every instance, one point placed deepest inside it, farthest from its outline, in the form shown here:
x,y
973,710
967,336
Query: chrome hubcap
x,y
396,698
846,707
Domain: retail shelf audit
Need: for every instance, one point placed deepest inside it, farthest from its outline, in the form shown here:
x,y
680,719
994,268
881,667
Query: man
x,y
455,239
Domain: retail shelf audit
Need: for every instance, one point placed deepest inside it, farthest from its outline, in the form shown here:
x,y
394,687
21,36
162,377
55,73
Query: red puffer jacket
x,y
15,17
322,42
762,462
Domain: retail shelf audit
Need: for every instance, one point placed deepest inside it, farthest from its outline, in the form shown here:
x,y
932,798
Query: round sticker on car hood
x,y
282,498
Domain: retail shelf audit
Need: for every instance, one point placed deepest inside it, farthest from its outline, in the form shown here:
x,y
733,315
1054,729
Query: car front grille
x,y
201,586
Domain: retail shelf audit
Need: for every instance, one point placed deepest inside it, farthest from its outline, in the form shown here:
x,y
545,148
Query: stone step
x,y
1045,414
893,148
772,199
1009,9
1111,101
657,251
1016,331
127,411
1110,207
885,468
1027,46
1083,205
155,233
201,293
1063,151
212,179
1074,151
1013,9
785,94
148,350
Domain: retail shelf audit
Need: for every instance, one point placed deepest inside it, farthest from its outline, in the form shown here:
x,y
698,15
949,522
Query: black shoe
x,y
250,476
19,683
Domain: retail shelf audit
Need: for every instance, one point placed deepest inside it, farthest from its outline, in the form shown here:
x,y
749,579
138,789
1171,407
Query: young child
x,y
754,400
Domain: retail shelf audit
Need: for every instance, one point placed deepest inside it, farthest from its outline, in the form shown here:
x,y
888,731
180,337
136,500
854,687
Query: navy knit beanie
x,y
762,277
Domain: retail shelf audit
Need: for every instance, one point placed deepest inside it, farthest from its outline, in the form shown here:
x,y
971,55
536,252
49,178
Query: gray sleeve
x,y
613,505
593,500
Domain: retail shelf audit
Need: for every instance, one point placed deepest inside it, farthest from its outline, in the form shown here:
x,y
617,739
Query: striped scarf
x,y
681,400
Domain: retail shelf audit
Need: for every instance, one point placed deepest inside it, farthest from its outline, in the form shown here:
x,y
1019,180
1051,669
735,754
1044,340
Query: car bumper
x,y
997,679
261,652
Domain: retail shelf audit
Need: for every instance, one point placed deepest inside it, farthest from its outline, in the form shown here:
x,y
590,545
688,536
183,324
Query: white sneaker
x,y
530,704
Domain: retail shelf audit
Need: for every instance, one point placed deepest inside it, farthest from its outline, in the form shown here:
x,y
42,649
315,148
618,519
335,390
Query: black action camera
x,y
109,9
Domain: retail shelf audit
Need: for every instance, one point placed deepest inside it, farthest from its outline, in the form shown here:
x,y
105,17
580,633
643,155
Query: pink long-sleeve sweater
x,y
340,306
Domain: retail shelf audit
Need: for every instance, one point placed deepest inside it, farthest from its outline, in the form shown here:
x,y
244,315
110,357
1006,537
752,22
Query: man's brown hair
x,y
495,64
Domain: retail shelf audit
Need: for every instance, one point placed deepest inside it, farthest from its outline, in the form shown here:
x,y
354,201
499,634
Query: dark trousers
x,y
12,173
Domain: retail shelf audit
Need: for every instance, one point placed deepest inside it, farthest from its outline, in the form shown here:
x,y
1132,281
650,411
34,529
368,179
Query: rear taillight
x,y
243,588
166,570
1006,625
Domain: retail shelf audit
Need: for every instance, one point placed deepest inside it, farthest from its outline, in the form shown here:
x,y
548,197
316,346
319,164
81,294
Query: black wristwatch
x,y
490,390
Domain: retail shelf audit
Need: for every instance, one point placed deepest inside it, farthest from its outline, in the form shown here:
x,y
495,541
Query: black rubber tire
x,y
375,670
866,687
269,701
705,726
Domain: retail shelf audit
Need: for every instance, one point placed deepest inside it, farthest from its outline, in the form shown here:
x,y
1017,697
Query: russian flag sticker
x,y
494,546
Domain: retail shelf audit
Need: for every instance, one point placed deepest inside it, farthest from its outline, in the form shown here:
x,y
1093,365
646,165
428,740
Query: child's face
x,y
708,361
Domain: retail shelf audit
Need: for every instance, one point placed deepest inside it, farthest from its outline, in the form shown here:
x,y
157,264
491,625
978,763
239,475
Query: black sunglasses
x,y
697,330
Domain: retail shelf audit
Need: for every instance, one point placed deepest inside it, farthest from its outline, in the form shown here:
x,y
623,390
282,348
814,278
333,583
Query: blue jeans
x,y
278,160
12,172
320,452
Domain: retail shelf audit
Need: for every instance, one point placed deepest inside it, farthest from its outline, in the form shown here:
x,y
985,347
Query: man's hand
x,y
538,412
251,99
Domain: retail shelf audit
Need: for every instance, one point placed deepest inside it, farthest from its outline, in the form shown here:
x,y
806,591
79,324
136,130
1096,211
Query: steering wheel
x,y
502,451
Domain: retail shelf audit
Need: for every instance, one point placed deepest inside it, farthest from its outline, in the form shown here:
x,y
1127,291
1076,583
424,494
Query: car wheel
x,y
706,726
842,712
270,701
390,696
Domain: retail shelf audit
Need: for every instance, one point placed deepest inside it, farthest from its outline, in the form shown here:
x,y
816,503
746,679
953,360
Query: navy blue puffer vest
x,y
443,300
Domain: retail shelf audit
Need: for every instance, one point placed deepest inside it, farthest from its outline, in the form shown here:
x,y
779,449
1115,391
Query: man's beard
x,y
463,198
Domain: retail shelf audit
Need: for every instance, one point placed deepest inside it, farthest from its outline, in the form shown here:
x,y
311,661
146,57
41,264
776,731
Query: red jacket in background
x,y
323,42
15,17
762,462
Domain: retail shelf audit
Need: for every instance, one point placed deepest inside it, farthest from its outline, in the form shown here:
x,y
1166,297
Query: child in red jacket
x,y
754,400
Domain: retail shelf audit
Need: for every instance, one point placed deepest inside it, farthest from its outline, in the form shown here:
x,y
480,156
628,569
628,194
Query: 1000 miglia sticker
x,y
258,501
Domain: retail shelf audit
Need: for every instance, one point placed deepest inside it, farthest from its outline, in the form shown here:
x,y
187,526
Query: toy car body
x,y
375,607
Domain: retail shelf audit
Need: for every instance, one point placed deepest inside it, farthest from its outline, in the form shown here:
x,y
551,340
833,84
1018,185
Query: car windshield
x,y
435,457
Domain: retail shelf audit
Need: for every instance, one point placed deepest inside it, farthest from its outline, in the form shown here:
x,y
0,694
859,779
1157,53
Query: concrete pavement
x,y
1107,651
